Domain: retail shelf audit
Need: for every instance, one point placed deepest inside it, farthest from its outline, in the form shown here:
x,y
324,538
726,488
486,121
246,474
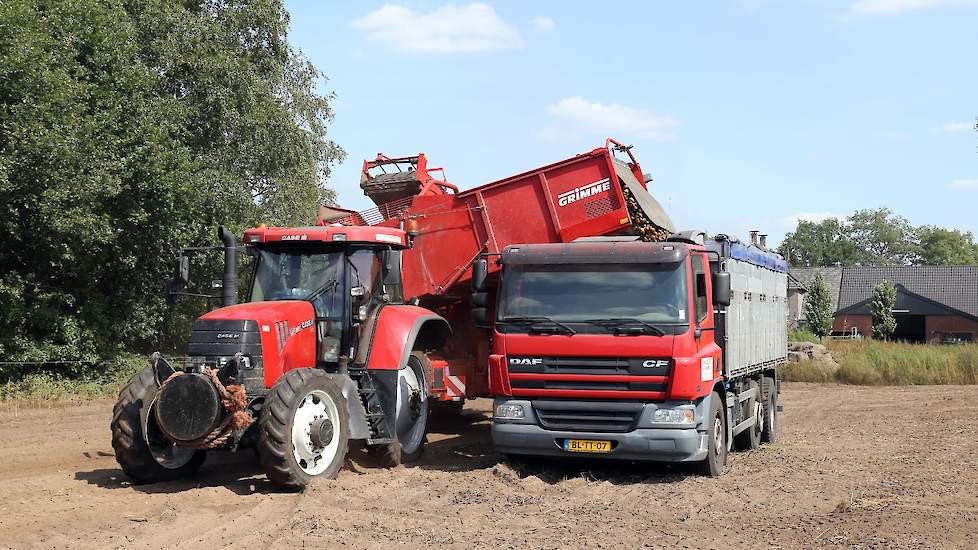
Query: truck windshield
x,y
654,293
312,274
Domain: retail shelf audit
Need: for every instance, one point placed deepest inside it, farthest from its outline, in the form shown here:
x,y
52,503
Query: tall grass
x,y
875,363
803,336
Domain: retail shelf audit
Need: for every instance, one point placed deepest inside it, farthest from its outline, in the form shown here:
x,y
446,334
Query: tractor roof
x,y
327,233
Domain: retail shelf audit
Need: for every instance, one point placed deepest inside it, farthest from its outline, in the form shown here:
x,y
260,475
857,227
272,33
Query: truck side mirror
x,y
181,277
721,288
480,271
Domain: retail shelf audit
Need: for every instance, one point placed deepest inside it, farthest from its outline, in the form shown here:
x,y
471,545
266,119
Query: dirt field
x,y
856,467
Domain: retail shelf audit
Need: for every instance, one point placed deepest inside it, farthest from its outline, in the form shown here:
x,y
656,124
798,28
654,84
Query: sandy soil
x,y
855,467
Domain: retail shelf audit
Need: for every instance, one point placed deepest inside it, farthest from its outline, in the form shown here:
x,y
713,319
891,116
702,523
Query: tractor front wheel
x,y
304,430
144,453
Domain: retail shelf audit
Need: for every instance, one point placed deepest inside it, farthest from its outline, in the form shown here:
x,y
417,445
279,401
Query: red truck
x,y
617,348
356,327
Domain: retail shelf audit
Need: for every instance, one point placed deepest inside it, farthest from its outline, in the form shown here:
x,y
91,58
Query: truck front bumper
x,y
656,444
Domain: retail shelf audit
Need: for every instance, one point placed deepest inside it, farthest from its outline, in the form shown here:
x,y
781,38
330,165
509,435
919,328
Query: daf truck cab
x,y
647,351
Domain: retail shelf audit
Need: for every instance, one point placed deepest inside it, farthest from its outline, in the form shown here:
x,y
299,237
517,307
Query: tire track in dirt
x,y
855,467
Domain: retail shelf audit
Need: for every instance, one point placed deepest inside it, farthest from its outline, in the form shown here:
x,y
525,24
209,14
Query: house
x,y
933,303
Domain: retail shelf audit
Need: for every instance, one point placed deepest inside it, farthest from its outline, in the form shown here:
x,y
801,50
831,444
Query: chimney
x,y
753,237
764,242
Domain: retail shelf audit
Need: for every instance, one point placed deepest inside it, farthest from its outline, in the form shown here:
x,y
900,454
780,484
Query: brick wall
x,y
844,323
950,323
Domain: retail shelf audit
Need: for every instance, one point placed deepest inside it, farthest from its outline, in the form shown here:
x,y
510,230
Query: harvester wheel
x,y
716,435
411,415
144,453
750,438
770,432
304,430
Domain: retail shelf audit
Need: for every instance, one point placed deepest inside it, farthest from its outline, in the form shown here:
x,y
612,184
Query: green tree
x,y
882,237
939,246
822,243
129,129
818,307
884,300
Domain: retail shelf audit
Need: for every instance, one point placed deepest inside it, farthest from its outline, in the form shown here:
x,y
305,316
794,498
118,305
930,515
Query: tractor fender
x,y
359,429
397,330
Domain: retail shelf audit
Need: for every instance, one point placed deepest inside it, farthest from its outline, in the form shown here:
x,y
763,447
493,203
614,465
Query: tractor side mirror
x,y
480,271
721,288
481,317
181,277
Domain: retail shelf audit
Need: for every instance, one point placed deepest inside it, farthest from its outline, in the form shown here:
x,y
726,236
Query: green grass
x,y
102,381
803,336
875,363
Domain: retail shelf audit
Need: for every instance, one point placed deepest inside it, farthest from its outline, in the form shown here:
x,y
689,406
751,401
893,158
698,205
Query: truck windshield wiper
x,y
619,321
537,319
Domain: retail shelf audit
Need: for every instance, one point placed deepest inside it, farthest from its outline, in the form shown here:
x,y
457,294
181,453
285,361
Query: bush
x,y
100,380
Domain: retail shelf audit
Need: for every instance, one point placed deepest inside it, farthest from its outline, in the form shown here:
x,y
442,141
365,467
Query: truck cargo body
x,y
635,378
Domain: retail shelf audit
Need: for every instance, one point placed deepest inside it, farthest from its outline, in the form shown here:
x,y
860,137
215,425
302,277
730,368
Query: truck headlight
x,y
509,411
681,415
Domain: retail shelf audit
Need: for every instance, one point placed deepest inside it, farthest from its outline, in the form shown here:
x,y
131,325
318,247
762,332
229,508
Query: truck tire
x,y
141,449
770,432
750,439
411,417
304,429
716,435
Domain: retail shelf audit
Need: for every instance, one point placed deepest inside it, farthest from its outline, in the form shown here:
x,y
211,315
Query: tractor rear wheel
x,y
144,453
411,415
304,429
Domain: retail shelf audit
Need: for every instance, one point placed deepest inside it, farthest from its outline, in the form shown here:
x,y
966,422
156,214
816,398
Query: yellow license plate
x,y
587,446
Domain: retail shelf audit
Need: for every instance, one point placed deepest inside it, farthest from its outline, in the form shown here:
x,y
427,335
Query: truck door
x,y
707,349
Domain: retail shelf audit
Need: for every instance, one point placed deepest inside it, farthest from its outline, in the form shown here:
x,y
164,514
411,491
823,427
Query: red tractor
x,y
357,327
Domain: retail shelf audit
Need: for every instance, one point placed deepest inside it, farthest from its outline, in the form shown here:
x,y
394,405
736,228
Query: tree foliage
x,y
818,307
876,237
129,129
884,300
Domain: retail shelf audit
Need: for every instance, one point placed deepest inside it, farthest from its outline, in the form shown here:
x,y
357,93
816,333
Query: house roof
x,y
953,286
832,275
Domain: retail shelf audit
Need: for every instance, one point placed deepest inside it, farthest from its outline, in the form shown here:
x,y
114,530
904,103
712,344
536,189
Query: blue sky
x,y
748,113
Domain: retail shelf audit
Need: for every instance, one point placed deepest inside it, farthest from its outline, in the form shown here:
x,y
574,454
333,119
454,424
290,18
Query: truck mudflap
x,y
643,440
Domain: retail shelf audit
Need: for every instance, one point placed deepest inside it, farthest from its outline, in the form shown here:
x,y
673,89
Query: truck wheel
x,y
716,435
304,430
144,453
750,438
770,431
411,416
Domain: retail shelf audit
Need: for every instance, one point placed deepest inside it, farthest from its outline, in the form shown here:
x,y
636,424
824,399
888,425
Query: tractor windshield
x,y
654,293
289,273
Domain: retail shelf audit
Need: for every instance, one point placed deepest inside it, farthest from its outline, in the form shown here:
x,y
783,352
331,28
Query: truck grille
x,y
587,416
589,373
590,365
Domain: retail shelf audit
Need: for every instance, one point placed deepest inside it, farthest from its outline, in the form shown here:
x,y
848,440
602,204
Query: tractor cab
x,y
343,273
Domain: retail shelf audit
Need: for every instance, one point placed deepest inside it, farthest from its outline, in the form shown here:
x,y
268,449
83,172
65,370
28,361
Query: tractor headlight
x,y
679,415
511,411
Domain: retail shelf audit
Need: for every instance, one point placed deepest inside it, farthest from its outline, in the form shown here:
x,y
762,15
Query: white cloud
x,y
543,23
816,217
612,118
957,127
962,184
448,29
896,7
